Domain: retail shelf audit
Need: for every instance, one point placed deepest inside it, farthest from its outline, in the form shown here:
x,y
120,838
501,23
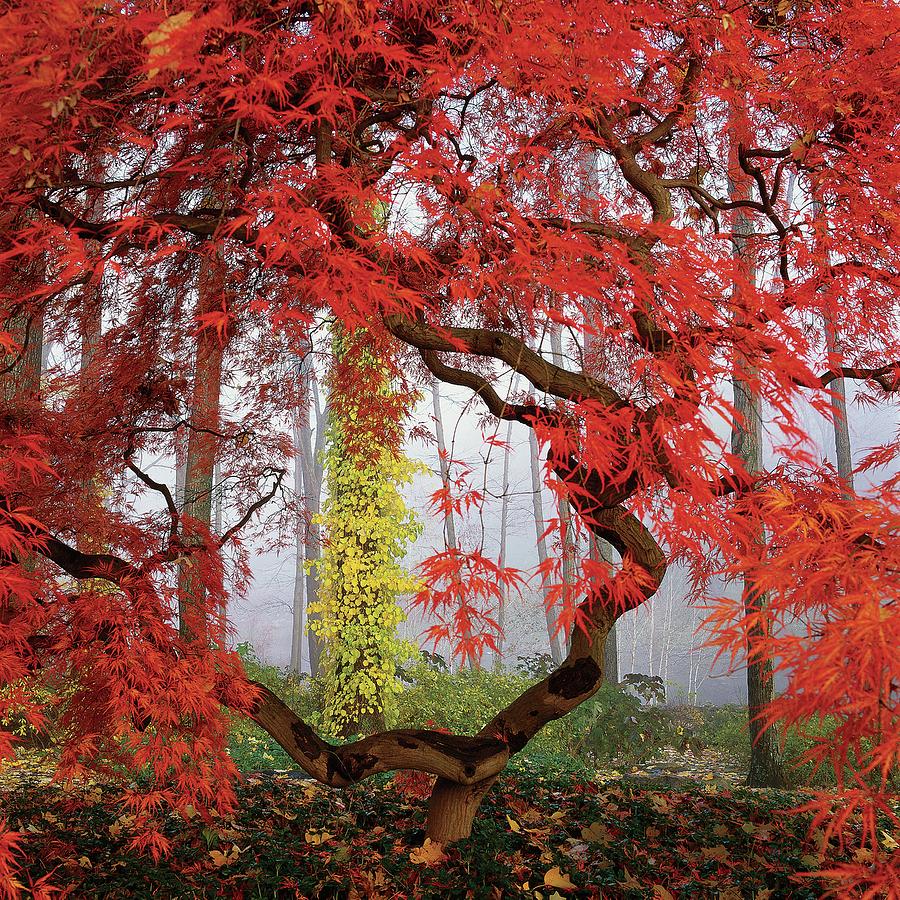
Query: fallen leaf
x,y
221,859
429,854
597,833
514,825
556,879
318,837
660,893
719,853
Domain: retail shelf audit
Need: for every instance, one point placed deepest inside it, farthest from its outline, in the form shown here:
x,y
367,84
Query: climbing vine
x,y
367,528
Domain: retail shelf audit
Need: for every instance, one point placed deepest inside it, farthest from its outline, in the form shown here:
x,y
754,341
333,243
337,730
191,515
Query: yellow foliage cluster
x,y
367,528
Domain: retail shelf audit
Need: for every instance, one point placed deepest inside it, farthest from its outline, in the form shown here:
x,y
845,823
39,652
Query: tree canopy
x,y
547,166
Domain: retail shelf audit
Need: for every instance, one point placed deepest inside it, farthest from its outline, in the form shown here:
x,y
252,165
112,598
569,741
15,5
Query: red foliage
x,y
147,141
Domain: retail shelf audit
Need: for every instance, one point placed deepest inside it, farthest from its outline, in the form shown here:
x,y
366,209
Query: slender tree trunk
x,y
450,542
567,534
90,328
313,478
22,383
202,446
841,425
667,640
504,527
299,573
537,486
597,547
766,768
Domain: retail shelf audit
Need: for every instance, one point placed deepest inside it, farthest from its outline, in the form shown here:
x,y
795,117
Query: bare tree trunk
x,y
766,768
597,547
667,639
842,448
537,487
296,665
22,382
567,541
311,463
450,542
202,445
504,526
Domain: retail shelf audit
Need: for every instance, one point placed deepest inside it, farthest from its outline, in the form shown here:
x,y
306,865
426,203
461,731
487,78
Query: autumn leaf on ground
x,y
597,833
221,859
556,879
429,854
719,853
318,837
630,882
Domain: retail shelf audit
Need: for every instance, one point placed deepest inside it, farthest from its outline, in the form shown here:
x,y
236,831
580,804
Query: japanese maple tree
x,y
153,142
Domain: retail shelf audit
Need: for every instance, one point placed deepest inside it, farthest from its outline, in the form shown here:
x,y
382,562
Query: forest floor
x,y
680,827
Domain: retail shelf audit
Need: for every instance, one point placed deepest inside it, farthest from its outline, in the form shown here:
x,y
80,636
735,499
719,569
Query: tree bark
x,y
537,487
766,768
311,463
841,425
202,446
501,560
450,542
566,532
296,665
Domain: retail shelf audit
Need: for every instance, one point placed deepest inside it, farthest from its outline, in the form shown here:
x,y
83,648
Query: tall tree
x,y
504,533
766,767
449,529
298,605
540,526
840,421
202,441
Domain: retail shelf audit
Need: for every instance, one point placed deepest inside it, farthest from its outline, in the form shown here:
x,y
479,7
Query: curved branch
x,y
880,375
463,760
515,353
258,504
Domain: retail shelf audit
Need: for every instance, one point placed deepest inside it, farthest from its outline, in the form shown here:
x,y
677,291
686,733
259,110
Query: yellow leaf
x,y
220,859
429,854
318,837
556,879
888,841
597,833
85,863
514,825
